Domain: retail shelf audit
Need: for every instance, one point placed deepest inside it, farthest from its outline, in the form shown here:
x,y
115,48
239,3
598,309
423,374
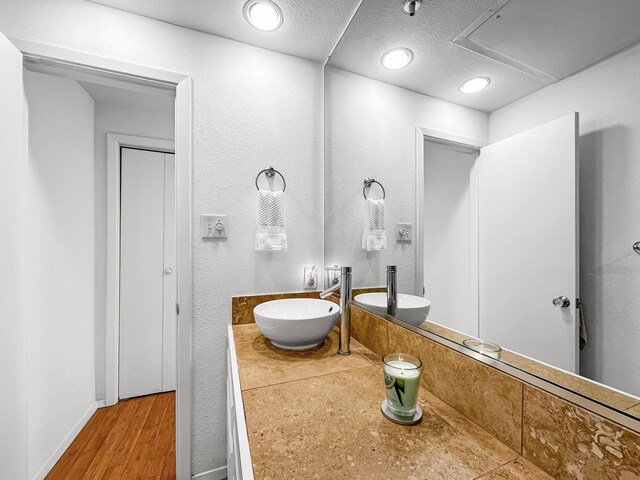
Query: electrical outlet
x,y
404,232
214,226
331,276
310,278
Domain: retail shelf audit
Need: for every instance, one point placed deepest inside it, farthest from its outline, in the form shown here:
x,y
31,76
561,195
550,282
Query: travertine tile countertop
x,y
316,415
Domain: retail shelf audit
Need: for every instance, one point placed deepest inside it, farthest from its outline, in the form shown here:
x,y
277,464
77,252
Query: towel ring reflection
x,y
270,172
367,184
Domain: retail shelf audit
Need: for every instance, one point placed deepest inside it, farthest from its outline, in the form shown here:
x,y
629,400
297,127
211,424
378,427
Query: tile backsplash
x,y
570,443
485,395
562,439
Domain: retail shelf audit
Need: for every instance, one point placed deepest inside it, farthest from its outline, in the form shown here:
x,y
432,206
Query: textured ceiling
x,y
439,66
310,30
557,38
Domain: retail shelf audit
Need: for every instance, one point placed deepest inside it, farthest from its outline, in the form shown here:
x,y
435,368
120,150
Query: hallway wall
x,y
60,268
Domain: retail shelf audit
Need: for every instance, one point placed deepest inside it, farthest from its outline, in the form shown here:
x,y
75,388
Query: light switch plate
x,y
404,232
214,226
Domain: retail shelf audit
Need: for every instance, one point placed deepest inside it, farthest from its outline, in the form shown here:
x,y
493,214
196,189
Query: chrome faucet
x,y
392,290
345,308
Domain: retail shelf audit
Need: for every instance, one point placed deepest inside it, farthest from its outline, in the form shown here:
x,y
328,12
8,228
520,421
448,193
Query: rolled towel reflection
x,y
374,236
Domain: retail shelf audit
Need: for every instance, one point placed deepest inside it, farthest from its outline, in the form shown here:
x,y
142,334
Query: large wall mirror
x,y
490,150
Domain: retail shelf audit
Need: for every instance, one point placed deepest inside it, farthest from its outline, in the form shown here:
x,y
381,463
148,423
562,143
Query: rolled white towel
x,y
271,232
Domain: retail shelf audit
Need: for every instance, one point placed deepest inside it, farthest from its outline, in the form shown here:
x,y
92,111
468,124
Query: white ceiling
x,y
129,98
561,37
310,30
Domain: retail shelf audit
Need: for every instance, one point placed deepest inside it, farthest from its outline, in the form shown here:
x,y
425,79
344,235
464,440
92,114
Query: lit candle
x,y
402,379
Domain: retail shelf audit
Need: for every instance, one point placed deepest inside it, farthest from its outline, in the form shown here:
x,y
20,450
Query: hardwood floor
x,y
134,439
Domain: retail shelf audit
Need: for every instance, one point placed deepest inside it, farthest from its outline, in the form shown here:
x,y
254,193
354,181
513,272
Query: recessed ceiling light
x,y
474,85
263,15
397,58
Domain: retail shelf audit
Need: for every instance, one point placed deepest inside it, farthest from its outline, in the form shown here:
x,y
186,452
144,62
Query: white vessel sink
x,y
296,323
411,308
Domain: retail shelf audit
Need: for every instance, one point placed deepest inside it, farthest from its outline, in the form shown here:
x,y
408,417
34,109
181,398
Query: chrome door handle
x,y
561,302
168,270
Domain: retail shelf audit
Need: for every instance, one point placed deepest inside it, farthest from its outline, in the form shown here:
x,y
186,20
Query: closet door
x,y
528,242
147,281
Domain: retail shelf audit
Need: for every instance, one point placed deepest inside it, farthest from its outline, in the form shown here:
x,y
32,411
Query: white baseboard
x,y
66,442
219,473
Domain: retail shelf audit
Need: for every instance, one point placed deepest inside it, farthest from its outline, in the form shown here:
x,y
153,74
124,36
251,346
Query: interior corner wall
x,y
251,108
140,122
60,264
370,132
607,97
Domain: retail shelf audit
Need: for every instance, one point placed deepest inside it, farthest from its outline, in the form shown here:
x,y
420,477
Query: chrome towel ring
x,y
367,184
270,172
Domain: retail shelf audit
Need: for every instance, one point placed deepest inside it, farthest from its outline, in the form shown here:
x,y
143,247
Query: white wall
x,y
13,172
60,262
252,108
608,100
112,118
448,239
370,132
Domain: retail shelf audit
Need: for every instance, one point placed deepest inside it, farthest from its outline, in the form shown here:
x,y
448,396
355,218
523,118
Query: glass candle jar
x,y
486,348
402,381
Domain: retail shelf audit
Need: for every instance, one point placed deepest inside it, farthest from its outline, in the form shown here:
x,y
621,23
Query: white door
x,y
528,242
147,277
13,165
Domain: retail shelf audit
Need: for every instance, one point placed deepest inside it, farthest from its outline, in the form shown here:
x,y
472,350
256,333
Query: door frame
x,y
438,136
112,72
115,142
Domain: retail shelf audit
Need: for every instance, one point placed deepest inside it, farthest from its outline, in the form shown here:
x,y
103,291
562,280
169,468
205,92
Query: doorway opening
x,y
450,222
105,93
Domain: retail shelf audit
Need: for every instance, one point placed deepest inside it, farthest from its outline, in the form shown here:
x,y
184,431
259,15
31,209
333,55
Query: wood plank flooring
x,y
134,439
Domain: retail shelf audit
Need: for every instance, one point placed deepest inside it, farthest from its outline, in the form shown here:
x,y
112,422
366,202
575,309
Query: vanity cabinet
x,y
239,465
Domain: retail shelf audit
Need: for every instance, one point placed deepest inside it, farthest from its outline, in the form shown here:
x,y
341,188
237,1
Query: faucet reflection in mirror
x,y
392,290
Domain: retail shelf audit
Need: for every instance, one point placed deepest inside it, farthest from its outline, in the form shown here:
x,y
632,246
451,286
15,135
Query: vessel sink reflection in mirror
x,y
411,308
